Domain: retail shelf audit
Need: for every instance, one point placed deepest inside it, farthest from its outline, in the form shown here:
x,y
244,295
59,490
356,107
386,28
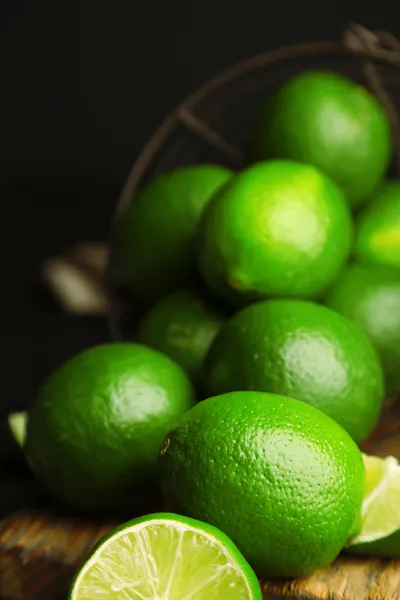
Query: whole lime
x,y
279,228
183,325
332,122
369,295
280,478
97,424
377,239
154,237
305,351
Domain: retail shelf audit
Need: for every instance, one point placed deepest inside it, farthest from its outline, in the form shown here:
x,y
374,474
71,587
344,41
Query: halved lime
x,y
380,529
18,422
166,557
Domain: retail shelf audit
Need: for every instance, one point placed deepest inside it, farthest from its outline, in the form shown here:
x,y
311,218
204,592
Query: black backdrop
x,y
83,84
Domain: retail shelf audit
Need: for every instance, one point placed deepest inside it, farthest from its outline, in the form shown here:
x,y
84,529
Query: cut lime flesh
x,y
381,507
18,422
166,558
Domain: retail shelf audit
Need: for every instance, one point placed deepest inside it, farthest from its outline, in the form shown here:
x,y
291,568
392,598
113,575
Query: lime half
x,y
380,528
17,423
166,557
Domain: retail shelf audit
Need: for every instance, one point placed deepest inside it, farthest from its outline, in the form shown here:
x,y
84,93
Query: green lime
x,y
279,228
378,228
18,422
98,422
166,556
154,238
280,478
183,325
305,351
369,295
380,515
332,122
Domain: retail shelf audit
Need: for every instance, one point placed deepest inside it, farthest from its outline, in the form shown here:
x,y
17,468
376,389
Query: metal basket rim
x,y
170,122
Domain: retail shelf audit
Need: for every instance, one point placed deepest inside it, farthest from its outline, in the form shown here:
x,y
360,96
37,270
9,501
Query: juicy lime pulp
x,y
380,529
166,557
17,423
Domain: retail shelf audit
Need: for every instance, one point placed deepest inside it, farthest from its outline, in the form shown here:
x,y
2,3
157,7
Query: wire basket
x,y
214,123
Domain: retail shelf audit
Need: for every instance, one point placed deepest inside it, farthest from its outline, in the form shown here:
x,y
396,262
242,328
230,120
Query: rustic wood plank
x,y
40,551
347,579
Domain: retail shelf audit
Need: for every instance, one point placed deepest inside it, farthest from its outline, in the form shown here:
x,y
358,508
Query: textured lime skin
x,y
221,537
329,121
154,238
97,424
369,295
182,325
388,547
280,478
377,239
279,228
305,351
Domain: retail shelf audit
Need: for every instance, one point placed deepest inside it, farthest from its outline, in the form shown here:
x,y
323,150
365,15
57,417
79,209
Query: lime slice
x,y
166,557
17,423
380,529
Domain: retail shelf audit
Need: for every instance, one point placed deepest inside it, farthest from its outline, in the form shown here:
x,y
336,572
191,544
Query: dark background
x,y
83,85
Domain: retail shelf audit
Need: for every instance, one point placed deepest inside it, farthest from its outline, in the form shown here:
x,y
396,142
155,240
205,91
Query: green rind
x,y
98,422
182,325
278,229
304,351
153,244
377,234
369,295
327,120
279,477
219,536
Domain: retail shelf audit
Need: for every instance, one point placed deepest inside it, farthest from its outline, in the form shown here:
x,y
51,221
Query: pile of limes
x,y
274,292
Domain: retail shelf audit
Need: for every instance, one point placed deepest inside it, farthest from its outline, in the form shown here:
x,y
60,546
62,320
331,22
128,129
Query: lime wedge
x,y
17,423
166,557
380,528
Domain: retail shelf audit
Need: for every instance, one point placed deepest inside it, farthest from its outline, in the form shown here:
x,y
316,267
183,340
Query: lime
x,y
329,121
166,556
305,351
18,422
380,531
369,295
154,238
378,228
277,229
183,325
280,478
98,422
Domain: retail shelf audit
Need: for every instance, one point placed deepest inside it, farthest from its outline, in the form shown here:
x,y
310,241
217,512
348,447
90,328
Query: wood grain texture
x,y
41,549
346,579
